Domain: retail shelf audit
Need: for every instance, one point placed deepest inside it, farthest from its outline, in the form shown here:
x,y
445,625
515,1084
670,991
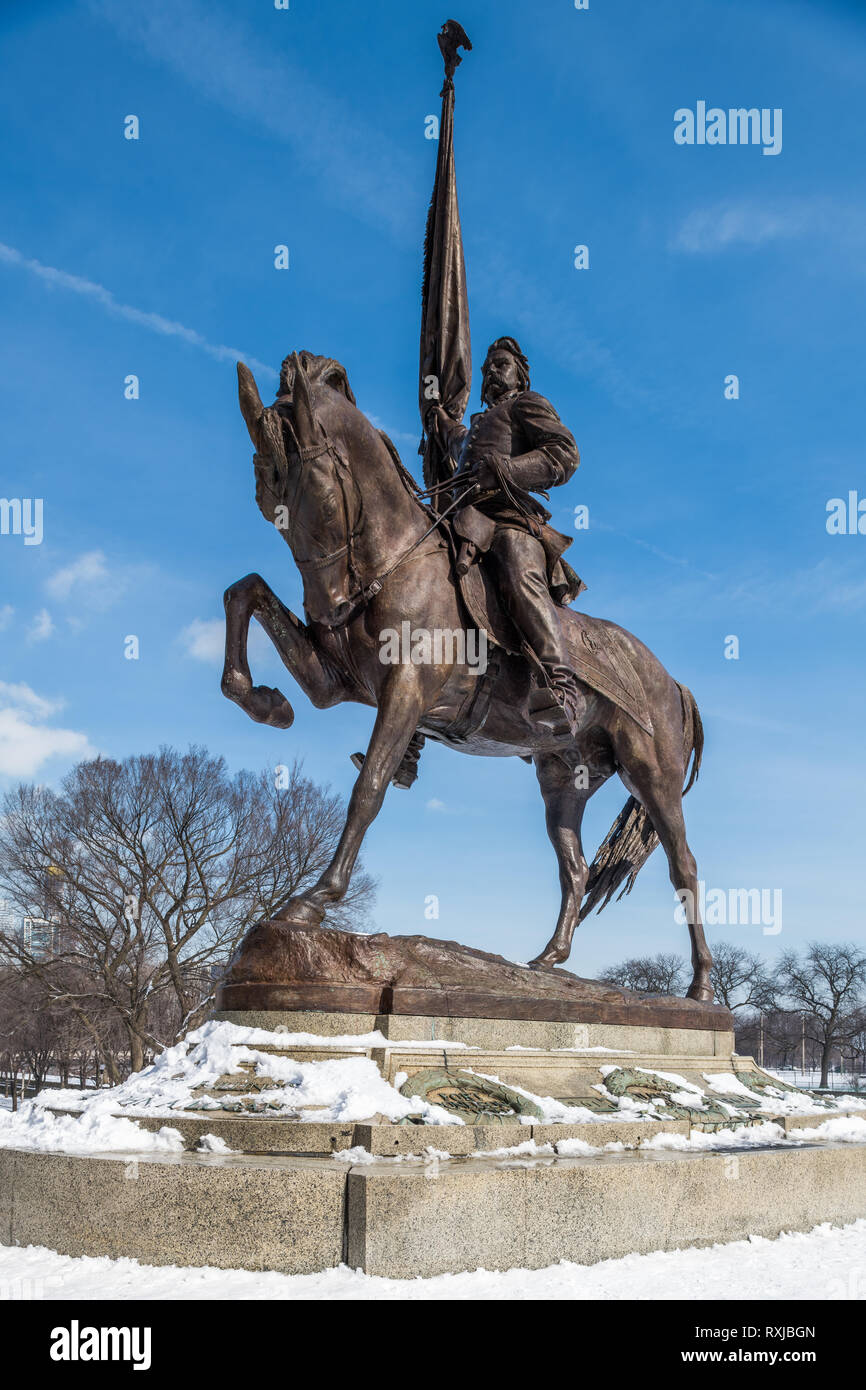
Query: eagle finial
x,y
451,37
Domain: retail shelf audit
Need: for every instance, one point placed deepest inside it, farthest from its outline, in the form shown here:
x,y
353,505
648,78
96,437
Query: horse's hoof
x,y
282,716
704,993
554,955
269,706
300,912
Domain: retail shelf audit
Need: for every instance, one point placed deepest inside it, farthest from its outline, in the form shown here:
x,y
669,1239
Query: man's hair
x,y
511,345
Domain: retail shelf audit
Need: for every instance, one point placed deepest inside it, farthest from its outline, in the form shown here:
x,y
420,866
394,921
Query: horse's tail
x,y
631,839
693,735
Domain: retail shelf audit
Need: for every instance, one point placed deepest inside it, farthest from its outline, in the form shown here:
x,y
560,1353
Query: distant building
x,y
38,936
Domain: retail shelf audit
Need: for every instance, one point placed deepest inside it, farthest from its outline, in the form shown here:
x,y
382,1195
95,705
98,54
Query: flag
x,y
446,355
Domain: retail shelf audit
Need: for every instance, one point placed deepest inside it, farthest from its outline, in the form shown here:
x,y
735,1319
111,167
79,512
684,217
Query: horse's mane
x,y
404,475
332,373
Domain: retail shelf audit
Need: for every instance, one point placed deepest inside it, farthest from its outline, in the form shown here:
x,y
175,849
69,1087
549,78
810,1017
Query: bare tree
x,y
659,974
12,1020
774,1036
151,870
740,979
827,984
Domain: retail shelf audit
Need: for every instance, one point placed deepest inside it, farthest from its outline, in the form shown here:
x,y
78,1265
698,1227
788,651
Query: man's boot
x,y
407,772
559,705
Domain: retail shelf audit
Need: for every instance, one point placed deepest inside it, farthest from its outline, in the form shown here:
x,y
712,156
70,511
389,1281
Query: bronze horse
x,y
362,538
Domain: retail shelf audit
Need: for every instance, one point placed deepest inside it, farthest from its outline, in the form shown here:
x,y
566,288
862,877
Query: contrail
x,y
155,322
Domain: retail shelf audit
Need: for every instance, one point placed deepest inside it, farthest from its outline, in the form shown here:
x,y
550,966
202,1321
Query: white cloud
x,y
396,436
88,570
22,697
43,627
25,742
217,54
434,804
6,614
726,224
205,641
95,584
61,279
747,222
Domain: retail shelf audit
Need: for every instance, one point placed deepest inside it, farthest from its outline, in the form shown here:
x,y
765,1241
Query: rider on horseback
x,y
516,446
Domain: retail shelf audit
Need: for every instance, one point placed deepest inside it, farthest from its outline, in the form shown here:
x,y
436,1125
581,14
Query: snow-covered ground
x,y
811,1080
826,1263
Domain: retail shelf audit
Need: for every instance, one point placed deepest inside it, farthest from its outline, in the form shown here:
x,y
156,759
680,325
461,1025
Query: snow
x,y
358,1154
35,1128
841,1129
553,1112
335,1089
580,1051
339,1089
825,1263
775,1100
743,1137
838,1130
214,1144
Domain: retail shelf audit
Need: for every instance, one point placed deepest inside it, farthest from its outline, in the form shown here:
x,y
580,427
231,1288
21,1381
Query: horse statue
x,y
376,559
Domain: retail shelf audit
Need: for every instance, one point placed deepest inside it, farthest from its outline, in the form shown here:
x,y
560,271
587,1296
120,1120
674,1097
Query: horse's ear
x,y
250,401
306,428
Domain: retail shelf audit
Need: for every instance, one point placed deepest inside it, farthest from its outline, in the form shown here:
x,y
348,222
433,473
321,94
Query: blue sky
x,y
707,516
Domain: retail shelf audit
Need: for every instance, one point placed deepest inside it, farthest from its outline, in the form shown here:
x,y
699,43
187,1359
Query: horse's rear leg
x,y
660,791
252,597
564,805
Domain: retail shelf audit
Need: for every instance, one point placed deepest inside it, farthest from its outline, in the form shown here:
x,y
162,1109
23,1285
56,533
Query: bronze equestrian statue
x,y
470,553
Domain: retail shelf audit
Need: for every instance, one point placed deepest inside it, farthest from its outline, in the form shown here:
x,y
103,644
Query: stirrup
x,y
404,777
560,709
550,713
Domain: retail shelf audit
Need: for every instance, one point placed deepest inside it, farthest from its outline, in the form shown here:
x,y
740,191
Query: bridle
x,y
360,593
351,529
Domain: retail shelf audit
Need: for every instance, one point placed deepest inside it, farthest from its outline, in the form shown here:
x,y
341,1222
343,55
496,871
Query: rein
x,y
362,593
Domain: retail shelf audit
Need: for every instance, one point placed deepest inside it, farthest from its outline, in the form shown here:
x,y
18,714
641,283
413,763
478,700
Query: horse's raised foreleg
x,y
252,597
401,706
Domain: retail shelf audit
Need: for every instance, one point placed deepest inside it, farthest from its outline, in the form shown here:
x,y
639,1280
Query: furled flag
x,y
446,356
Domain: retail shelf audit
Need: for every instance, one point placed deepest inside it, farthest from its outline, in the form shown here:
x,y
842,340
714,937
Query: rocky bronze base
x,y
296,968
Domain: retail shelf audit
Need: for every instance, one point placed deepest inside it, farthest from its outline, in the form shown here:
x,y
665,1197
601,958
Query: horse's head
x,y
310,445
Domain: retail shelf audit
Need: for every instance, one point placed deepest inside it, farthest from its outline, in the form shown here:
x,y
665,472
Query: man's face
x,y
501,375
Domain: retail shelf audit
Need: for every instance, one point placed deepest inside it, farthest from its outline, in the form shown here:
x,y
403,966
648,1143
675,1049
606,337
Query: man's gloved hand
x,y
432,414
488,471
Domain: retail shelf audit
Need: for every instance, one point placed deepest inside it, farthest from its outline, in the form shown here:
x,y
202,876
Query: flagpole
x,y
445,362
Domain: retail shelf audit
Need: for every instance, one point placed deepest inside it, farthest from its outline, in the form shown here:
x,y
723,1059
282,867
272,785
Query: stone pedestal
x,y
408,1219
496,1034
514,1180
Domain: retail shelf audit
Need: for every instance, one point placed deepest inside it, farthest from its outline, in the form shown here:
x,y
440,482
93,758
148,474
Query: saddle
x,y
598,651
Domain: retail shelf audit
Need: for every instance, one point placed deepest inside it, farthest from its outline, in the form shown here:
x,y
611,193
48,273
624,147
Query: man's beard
x,y
498,388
